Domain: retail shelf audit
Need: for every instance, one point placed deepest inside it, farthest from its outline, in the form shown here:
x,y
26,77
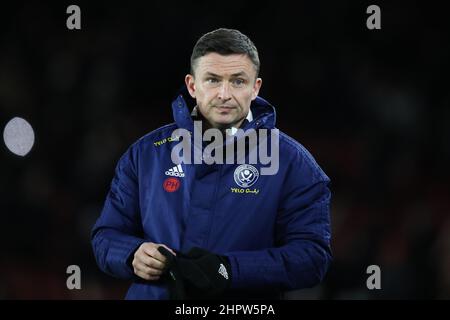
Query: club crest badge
x,y
246,175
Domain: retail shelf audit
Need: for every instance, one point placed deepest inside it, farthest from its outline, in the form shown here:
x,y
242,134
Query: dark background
x,y
372,106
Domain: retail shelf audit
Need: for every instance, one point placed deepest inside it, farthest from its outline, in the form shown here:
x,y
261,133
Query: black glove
x,y
173,276
206,274
197,274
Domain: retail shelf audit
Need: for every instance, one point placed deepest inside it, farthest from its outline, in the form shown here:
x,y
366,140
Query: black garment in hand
x,y
199,274
173,276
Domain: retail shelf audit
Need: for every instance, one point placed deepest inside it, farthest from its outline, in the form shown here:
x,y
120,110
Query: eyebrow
x,y
238,74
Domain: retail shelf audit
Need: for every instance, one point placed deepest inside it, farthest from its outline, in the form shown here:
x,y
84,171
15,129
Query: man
x,y
200,230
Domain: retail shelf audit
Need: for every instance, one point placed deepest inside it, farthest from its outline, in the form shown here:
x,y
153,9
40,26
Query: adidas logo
x,y
176,171
223,271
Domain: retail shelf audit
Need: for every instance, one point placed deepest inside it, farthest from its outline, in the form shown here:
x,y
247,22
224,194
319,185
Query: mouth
x,y
225,108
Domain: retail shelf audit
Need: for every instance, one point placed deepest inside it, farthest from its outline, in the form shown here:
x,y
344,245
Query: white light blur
x,y
18,136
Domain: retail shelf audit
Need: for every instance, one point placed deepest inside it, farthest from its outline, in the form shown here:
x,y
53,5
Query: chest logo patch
x,y
246,175
171,184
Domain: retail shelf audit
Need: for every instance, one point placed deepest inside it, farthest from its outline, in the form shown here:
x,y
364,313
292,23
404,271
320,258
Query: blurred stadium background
x,y
373,107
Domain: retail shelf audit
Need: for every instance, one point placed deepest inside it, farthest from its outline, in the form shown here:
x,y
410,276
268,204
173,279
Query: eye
x,y
212,80
238,82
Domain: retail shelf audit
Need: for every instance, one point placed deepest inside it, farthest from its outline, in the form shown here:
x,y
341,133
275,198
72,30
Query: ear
x,y
190,84
256,87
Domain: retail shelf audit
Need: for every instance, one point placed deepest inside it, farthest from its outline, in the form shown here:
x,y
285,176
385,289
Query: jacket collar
x,y
264,114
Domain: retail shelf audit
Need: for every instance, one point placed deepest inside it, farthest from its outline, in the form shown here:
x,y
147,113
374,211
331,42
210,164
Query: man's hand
x,y
148,262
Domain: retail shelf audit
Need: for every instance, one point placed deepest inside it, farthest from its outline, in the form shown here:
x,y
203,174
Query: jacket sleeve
x,y
302,254
118,231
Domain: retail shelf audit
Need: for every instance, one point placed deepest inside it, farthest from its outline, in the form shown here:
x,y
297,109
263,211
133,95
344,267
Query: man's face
x,y
224,87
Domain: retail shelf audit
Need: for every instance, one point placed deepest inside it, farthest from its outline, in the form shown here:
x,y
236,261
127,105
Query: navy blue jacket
x,y
276,232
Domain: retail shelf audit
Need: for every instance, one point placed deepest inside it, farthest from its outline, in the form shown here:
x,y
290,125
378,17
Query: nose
x,y
224,92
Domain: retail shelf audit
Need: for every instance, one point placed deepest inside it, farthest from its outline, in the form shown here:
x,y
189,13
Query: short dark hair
x,y
225,41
